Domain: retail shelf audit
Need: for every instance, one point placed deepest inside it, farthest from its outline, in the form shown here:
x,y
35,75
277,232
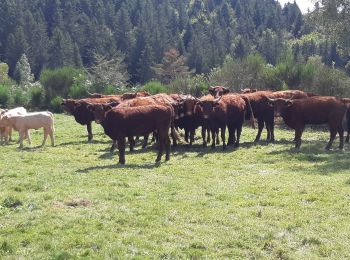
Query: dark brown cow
x,y
314,110
82,115
119,123
225,111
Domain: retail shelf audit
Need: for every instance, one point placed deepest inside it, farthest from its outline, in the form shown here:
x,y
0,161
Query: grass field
x,y
258,202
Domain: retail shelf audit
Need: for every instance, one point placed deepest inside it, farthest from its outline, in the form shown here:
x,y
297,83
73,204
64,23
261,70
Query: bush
x,y
36,95
20,97
5,98
77,91
58,82
155,87
55,104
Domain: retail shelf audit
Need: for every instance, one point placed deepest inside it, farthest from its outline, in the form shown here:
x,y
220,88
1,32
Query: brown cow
x,y
82,115
314,110
119,123
225,111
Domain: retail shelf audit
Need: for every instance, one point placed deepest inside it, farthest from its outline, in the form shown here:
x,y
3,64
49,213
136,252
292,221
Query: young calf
x,y
22,123
6,132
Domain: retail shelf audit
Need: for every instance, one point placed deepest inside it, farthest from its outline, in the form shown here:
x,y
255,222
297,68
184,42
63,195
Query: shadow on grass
x,y
84,142
119,166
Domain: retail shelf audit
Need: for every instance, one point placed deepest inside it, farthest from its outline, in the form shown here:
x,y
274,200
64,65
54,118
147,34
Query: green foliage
x,y
58,82
155,87
11,202
5,98
55,104
37,96
20,97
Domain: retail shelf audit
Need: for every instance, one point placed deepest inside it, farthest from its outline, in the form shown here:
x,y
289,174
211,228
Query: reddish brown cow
x,y
119,123
314,110
225,111
82,115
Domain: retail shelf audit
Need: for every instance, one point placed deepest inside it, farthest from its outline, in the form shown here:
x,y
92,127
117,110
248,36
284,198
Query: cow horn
x,y
216,100
271,99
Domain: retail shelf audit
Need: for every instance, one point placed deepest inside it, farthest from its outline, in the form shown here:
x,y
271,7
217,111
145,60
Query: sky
x,y
303,4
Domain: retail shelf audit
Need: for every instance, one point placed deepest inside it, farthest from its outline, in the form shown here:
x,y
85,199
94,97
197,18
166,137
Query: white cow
x,y
6,132
36,120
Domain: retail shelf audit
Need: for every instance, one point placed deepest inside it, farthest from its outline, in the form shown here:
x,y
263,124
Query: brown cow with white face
x,y
314,110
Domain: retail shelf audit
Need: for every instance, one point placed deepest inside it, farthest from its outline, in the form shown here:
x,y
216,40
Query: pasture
x,y
264,202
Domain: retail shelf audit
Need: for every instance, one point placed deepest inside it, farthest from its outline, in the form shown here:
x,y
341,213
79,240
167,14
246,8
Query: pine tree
x,y
23,73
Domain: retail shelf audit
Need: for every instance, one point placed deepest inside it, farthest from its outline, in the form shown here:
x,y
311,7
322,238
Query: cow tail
x,y
252,120
174,133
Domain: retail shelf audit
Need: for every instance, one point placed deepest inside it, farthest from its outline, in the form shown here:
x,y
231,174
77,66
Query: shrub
x,y
155,87
20,97
5,99
77,91
55,104
36,95
57,82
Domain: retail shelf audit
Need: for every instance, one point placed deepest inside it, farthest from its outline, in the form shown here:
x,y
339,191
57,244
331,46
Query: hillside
x,y
54,33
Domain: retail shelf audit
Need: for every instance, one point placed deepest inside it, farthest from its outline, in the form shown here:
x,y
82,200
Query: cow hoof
x,y
224,148
121,163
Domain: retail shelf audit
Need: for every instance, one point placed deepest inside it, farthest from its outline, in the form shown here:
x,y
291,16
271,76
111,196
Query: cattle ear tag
x,y
289,103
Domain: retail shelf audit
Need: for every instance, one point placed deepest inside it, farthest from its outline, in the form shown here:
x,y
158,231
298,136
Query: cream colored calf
x,y
6,134
36,120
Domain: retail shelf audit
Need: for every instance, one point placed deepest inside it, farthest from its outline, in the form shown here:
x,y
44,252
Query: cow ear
x,y
226,90
289,103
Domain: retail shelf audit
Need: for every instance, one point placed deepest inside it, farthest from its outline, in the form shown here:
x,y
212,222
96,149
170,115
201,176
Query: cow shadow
x,y
119,166
84,142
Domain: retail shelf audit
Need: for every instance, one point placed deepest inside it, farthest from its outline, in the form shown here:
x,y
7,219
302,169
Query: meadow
x,y
256,202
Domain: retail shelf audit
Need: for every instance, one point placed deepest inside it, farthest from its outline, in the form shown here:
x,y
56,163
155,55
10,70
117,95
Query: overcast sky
x,y
303,4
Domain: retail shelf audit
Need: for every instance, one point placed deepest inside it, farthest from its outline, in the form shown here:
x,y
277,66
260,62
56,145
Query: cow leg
x,y
217,137
213,136
131,143
187,133
167,148
231,136
145,141
89,130
121,148
10,135
298,134
162,141
27,133
239,132
333,134
208,133
347,137
192,133
114,145
46,133
260,128
21,137
341,138
204,131
223,138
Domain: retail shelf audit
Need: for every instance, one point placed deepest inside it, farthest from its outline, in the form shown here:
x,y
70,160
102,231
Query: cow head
x,y
218,91
178,109
279,104
208,106
99,111
189,103
69,105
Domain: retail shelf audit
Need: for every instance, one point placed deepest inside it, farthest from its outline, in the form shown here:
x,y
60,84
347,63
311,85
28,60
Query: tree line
x,y
104,45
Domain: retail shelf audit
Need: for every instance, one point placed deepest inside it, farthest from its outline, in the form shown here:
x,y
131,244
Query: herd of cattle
x,y
140,114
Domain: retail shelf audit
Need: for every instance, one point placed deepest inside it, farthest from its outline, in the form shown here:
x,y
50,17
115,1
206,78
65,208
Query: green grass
x,y
264,202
